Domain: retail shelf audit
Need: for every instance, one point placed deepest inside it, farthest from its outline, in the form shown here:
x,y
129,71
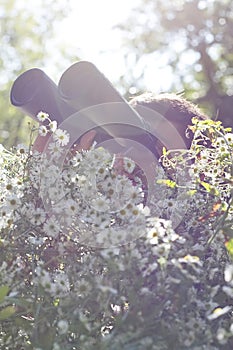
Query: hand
x,y
85,142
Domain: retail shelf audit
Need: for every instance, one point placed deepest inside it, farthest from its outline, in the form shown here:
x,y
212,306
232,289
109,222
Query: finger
x,y
86,141
40,142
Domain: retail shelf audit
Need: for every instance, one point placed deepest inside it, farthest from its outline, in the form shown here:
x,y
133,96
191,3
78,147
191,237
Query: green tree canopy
x,y
26,31
193,38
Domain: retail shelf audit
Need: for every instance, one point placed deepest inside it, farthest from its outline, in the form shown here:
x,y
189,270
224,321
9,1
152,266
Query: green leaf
x,y
169,183
56,302
206,186
191,192
209,188
164,151
7,312
229,246
3,292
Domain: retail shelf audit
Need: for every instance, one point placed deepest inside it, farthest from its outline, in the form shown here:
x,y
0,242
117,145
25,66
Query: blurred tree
x,y
26,32
193,40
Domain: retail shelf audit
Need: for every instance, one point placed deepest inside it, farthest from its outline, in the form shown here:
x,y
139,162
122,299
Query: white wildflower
x,y
71,207
61,137
222,336
63,326
38,217
54,149
42,116
100,204
22,149
53,126
219,312
229,138
83,288
51,227
13,201
43,130
228,274
129,165
62,284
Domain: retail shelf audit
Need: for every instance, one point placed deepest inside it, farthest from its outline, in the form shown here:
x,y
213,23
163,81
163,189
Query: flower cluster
x,y
60,137
84,264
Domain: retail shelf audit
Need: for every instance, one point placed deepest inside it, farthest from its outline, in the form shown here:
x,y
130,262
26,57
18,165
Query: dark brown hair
x,y
174,108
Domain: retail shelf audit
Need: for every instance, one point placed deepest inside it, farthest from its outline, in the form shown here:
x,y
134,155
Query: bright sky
x,y
89,33
90,23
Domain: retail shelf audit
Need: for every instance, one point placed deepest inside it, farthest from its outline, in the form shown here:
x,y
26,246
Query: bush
x,y
85,265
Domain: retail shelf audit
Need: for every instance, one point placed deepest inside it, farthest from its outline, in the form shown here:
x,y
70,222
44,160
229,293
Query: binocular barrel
x,y
82,85
33,91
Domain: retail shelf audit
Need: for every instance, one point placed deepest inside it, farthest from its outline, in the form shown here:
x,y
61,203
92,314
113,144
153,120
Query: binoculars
x,y
82,89
81,86
85,92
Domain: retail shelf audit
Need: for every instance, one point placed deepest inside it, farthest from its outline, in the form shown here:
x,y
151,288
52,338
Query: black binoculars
x,y
81,87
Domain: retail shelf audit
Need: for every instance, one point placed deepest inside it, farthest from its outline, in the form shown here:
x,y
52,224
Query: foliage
x,y
84,265
191,42
26,38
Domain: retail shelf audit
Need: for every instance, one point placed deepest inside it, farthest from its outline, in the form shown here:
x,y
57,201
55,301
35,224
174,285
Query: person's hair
x,y
174,108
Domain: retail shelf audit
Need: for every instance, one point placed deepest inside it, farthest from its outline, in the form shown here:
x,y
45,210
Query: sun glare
x,y
90,24
88,32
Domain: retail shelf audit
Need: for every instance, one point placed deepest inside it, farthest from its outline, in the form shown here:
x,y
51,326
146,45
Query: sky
x,y
89,33
90,24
